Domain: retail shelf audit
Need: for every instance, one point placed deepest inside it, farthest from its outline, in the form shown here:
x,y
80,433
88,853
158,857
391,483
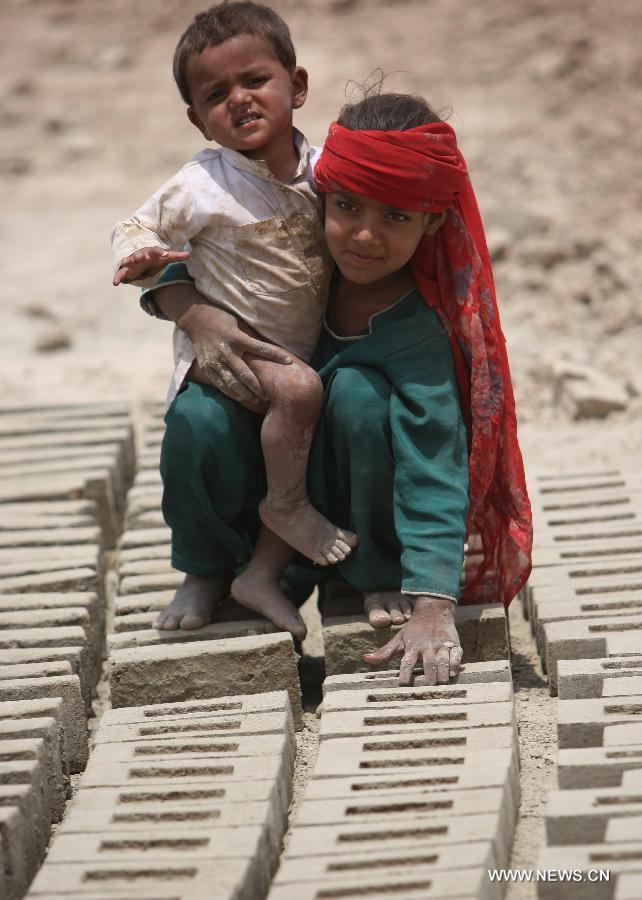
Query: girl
x,y
417,447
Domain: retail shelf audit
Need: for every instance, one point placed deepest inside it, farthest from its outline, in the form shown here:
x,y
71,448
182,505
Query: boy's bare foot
x,y
260,592
385,608
192,606
309,532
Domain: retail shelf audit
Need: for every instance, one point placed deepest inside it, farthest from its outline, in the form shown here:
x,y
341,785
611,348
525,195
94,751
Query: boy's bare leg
x,y
295,395
193,603
385,608
258,586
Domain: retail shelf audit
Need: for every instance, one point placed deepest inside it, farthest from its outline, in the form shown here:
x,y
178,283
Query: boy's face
x,y
243,97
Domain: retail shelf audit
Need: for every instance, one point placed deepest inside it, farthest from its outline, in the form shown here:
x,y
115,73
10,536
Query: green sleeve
x,y
431,466
174,273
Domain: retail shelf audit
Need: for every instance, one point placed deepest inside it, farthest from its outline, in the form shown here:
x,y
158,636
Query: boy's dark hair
x,y
227,20
387,112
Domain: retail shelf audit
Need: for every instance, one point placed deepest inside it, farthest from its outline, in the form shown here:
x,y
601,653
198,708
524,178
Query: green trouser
x,y
389,461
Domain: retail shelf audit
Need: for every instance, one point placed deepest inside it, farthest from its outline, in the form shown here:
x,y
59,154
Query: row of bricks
x,y
191,796
63,477
582,599
66,452
239,652
585,600
405,779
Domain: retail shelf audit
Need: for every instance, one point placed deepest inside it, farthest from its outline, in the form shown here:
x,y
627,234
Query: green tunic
x,y
390,457
389,460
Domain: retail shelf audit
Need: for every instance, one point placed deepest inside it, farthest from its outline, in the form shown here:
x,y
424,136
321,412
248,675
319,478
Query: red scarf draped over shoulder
x,y
423,170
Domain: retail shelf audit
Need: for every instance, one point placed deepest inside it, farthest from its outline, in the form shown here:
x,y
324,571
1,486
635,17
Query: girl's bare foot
x,y
385,608
260,591
309,532
193,604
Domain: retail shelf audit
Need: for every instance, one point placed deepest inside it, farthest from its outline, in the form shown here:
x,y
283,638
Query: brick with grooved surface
x,y
469,673
581,816
327,869
193,880
615,859
76,656
601,638
415,767
150,637
426,717
67,687
181,772
205,669
416,884
15,750
582,723
166,805
241,704
580,679
76,750
256,846
593,767
196,727
373,697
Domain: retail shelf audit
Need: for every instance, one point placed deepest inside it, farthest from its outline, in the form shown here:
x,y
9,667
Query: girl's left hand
x,y
430,636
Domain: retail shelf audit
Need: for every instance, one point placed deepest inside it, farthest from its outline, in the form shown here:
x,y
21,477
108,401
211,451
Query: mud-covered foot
x,y
193,604
309,532
385,608
260,592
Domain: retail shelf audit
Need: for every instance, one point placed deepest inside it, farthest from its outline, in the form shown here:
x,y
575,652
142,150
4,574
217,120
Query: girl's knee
x,y
358,399
201,420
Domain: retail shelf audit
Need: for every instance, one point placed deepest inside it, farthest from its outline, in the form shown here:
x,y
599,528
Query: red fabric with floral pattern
x,y
422,169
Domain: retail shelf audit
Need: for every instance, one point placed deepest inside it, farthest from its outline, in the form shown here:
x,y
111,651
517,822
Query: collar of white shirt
x,y
259,166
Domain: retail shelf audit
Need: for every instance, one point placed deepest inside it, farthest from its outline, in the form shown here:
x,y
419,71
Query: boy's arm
x,y
158,232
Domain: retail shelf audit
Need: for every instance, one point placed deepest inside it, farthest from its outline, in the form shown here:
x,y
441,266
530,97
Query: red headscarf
x,y
422,169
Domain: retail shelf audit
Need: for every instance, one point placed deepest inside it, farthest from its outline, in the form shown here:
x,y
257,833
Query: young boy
x,y
253,223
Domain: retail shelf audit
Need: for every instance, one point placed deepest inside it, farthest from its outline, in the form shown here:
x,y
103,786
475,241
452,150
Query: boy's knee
x,y
298,385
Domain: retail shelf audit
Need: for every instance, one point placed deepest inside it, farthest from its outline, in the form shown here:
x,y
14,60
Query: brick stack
x,y
64,472
584,601
238,653
414,793
186,800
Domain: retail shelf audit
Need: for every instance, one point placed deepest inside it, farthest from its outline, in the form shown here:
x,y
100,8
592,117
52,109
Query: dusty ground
x,y
546,98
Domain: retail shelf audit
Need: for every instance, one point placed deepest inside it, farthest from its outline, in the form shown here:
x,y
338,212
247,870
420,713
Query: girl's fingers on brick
x,y
456,655
407,667
443,665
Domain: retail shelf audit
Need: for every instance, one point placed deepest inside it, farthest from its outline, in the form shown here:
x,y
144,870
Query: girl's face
x,y
370,241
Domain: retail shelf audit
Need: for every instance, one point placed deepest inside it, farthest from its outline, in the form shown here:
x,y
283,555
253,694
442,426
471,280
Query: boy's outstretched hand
x,y
145,262
429,638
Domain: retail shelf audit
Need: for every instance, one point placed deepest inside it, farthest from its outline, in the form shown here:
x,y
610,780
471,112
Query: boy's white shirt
x,y
257,245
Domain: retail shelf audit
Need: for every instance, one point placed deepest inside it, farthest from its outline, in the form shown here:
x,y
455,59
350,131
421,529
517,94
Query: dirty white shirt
x,y
257,245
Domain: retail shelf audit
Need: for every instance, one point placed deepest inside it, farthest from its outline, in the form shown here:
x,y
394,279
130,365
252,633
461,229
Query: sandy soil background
x,y
547,102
